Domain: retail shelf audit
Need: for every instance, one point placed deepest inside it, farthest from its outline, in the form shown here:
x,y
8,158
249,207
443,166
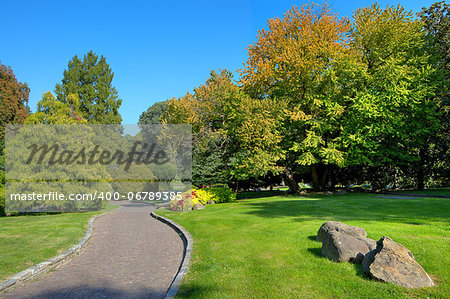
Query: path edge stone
x,y
52,263
188,245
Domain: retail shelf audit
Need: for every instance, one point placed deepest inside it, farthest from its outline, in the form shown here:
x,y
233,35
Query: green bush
x,y
221,194
2,200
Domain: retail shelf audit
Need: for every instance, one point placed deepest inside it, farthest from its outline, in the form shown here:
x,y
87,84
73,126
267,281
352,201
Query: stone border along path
x,y
129,255
53,263
188,246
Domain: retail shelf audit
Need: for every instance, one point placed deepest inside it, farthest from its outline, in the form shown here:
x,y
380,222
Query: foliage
x,y
13,98
187,201
204,195
235,136
153,114
397,107
304,58
221,194
2,200
91,79
51,111
434,167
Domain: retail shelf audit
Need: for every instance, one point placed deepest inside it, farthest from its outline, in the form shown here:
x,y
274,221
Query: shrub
x,y
222,194
2,200
191,198
187,201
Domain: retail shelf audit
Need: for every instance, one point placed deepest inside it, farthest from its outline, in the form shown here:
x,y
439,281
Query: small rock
x,y
211,202
392,262
327,227
328,193
198,206
340,247
341,192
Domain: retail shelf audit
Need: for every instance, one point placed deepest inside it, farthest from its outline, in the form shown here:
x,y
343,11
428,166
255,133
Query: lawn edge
x,y
188,245
52,263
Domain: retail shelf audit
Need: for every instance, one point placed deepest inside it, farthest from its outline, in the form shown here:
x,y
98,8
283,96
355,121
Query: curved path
x,y
130,255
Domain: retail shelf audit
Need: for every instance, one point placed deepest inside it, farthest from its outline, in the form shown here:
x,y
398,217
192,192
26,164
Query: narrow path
x,y
130,255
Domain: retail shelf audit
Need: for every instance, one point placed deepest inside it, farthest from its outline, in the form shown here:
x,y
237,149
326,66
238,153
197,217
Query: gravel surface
x,y
130,255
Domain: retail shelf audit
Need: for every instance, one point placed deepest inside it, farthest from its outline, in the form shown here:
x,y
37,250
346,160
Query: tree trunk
x,y
291,182
421,169
319,175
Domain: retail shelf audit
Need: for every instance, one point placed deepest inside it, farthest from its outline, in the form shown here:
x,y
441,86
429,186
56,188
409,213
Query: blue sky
x,y
157,49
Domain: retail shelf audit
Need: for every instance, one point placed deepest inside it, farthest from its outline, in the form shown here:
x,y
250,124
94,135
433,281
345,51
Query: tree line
x,y
327,101
321,100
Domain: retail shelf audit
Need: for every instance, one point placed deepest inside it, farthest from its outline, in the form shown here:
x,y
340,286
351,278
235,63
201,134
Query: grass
x,y
29,240
440,191
266,247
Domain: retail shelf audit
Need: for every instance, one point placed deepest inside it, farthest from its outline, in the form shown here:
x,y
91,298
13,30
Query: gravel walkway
x,y
130,255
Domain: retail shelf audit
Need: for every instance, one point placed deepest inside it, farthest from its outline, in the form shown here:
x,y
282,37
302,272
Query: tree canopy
x,y
91,79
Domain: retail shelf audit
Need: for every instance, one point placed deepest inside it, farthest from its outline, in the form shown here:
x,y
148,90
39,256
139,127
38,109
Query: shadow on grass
x,y
363,207
195,291
317,252
313,238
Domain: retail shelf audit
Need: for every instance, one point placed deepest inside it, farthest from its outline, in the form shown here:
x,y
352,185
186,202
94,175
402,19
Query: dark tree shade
x,y
91,79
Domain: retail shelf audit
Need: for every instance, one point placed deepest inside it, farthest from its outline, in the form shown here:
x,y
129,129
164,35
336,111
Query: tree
x,y
153,114
235,136
13,100
305,60
434,164
51,111
91,79
395,109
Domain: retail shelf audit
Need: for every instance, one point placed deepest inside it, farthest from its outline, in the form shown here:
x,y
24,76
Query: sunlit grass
x,y
266,247
29,240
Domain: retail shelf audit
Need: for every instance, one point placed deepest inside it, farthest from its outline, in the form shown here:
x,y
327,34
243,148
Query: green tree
x,y
304,59
52,111
153,114
395,112
434,164
235,136
91,79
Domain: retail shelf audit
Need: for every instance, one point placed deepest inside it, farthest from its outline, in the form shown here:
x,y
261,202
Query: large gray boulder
x,y
371,243
330,226
392,262
341,247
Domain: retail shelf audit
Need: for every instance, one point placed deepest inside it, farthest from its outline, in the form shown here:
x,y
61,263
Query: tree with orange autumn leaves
x,y
329,94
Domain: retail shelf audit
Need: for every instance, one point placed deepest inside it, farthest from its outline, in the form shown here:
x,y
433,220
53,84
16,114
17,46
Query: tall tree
x,y
13,99
396,109
91,79
304,59
434,165
235,136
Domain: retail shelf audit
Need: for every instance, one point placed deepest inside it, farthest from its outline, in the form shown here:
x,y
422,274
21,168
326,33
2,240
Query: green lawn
x,y
29,240
266,248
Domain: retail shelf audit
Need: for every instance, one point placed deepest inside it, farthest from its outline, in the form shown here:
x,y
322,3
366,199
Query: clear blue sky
x,y
157,49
